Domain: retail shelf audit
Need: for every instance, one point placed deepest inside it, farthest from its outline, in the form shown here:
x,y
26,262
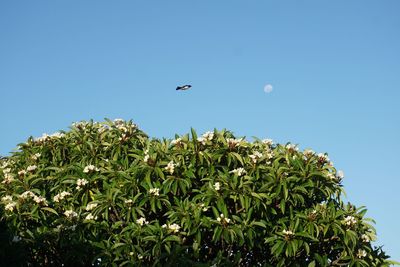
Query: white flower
x,y
40,200
292,147
90,168
61,196
365,238
90,217
35,156
174,227
80,124
31,168
91,206
176,141
8,178
287,233
361,253
239,171
57,135
256,156
119,121
43,138
142,221
308,153
70,214
139,257
217,186
154,191
223,219
268,142
232,142
27,194
6,199
350,221
331,176
81,182
323,158
170,167
146,158
203,206
10,206
207,136
21,172
7,171
340,175
129,201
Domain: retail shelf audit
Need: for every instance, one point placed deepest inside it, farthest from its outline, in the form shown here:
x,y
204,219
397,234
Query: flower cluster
x,y
223,219
142,221
128,201
217,186
322,158
292,147
146,157
267,142
6,199
340,175
81,183
350,221
288,233
8,178
308,153
239,171
90,217
170,167
154,191
207,136
22,172
8,202
203,207
61,196
365,238
176,142
232,142
172,227
70,214
10,206
36,156
37,199
31,168
81,125
90,168
91,206
361,254
255,156
125,128
45,137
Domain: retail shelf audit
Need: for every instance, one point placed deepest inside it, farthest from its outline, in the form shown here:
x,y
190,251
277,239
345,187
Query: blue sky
x,y
334,67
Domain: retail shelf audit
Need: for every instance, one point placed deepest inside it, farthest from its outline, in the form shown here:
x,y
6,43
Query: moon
x,y
268,88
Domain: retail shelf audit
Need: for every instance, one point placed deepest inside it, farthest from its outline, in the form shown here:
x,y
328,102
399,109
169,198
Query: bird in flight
x,y
184,87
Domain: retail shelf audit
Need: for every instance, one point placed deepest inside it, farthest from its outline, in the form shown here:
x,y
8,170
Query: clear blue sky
x,y
334,67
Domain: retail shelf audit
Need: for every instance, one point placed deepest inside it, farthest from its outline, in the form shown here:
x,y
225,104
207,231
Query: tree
x,y
106,194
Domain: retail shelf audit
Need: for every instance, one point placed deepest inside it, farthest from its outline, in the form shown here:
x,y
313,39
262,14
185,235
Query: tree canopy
x,y
105,194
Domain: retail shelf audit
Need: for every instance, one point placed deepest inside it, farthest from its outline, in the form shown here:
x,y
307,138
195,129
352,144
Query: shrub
x,y
106,194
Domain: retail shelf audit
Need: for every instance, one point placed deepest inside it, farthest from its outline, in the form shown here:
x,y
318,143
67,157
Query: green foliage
x,y
105,194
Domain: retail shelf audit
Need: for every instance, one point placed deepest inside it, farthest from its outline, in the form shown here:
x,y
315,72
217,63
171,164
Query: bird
x,y
184,87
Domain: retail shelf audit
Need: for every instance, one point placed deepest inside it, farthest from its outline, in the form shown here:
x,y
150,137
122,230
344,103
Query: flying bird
x,y
184,87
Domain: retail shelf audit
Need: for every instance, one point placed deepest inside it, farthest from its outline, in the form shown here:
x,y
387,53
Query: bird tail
x,y
178,88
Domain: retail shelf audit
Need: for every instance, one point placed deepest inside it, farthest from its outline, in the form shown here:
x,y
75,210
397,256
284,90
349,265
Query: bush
x,y
105,194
